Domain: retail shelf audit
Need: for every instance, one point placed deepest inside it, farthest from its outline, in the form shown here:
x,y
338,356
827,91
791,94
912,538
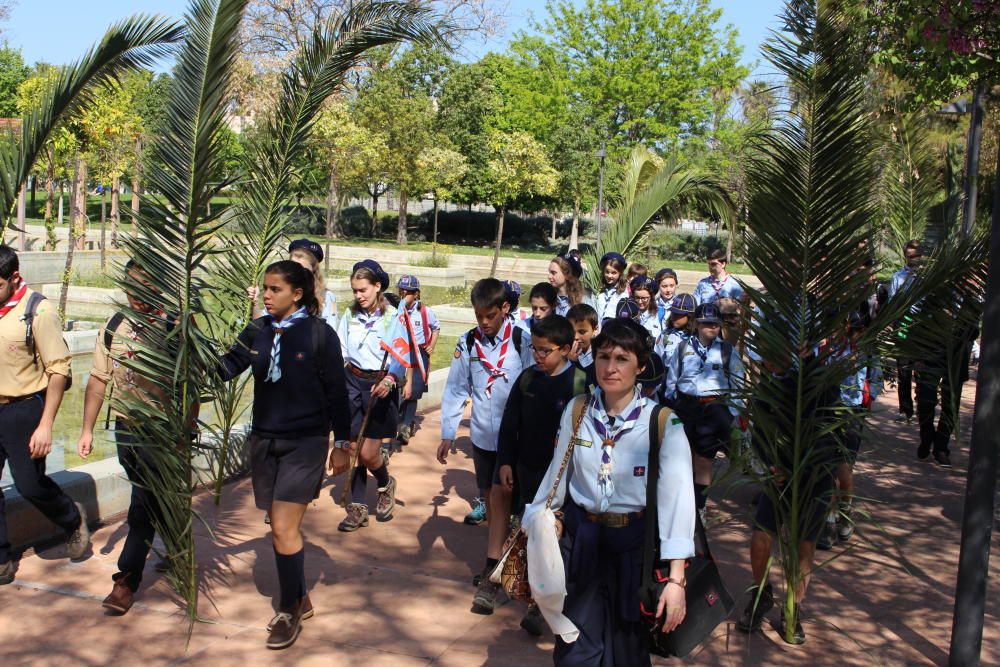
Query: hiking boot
x,y
798,636
120,600
486,597
305,606
845,528
7,571
79,539
267,518
357,517
386,501
827,536
756,609
405,433
285,628
533,623
903,418
943,459
923,451
478,513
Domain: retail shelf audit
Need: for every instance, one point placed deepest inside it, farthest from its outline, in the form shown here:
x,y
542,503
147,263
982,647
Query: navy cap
x,y
380,276
627,309
408,283
665,273
708,313
642,282
305,244
514,291
683,304
613,256
575,265
652,375
855,321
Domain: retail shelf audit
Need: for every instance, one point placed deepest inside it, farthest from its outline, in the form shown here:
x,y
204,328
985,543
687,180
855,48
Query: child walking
x,y
426,330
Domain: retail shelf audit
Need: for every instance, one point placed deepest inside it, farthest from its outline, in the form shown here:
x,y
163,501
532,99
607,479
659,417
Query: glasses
x,y
642,299
542,352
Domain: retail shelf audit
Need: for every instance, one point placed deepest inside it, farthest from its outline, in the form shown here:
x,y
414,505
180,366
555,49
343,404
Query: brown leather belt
x,y
362,373
701,399
4,400
615,520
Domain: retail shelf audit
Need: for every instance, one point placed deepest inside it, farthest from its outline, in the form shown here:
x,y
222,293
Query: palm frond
x,y
909,187
129,45
647,190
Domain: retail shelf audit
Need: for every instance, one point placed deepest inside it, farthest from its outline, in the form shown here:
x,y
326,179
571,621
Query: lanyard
x,y
497,370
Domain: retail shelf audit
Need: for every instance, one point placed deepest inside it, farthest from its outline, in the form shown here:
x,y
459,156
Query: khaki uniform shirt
x,y
108,366
20,373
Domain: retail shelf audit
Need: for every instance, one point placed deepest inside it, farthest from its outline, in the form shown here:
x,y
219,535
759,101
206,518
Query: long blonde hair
x,y
574,289
314,264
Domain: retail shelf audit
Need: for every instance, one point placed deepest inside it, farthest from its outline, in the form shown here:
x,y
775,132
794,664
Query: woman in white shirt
x,y
603,496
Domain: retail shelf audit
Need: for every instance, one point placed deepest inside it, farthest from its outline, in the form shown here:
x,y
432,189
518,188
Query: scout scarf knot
x,y
22,288
610,434
274,369
495,370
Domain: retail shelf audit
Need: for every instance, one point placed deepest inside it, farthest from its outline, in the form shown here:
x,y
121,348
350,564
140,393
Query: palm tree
x,y
127,46
909,183
649,187
181,241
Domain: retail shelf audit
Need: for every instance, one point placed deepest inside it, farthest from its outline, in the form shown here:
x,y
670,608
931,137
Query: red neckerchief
x,y
497,370
22,288
718,290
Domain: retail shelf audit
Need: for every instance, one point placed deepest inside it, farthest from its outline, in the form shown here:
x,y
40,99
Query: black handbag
x,y
708,601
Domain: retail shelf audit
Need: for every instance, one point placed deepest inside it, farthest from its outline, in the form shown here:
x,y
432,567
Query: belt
x,y
701,399
613,519
4,400
363,374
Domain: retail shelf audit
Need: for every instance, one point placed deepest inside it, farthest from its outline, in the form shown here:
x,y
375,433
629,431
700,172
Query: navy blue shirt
x,y
300,403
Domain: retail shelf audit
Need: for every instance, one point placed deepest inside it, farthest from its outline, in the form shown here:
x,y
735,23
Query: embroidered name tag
x,y
471,359
639,471
579,442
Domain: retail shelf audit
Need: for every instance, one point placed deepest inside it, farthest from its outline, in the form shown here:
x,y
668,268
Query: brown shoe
x,y
285,628
305,605
386,501
121,598
79,539
357,517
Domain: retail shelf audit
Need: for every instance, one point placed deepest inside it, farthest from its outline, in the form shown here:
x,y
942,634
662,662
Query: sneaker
x,y
7,571
405,433
799,635
845,527
486,597
79,539
478,513
942,458
703,516
756,609
923,451
827,536
305,605
285,629
120,600
357,517
267,518
386,501
533,623
902,418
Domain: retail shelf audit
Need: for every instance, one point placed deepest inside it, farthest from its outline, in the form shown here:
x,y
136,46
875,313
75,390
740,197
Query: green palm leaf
x,y
909,186
128,45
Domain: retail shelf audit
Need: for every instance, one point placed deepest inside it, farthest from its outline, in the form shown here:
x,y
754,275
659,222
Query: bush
x,y
686,246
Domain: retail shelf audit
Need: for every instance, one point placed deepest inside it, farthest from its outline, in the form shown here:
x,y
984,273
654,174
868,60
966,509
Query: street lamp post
x,y
601,154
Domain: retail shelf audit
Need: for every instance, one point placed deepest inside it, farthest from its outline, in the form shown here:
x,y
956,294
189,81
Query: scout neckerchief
x,y
608,292
562,304
425,324
22,288
663,307
497,370
717,285
274,370
609,438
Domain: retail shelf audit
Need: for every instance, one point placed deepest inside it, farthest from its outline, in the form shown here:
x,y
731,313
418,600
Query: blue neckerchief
x,y
274,369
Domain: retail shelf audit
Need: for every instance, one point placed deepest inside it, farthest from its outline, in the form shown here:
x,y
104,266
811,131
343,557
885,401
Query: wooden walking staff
x,y
359,441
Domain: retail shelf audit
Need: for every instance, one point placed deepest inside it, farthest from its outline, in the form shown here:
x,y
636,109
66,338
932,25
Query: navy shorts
x,y
487,470
811,522
384,420
708,426
291,471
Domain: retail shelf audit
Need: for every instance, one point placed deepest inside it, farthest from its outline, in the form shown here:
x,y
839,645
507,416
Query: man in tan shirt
x,y
34,373
119,341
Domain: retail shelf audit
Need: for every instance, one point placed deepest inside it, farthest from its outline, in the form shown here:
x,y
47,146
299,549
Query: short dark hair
x,y
8,262
912,244
544,291
717,255
583,312
488,293
555,328
628,335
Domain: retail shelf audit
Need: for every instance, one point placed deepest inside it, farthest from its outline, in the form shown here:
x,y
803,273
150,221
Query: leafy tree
x,y
442,170
13,72
518,167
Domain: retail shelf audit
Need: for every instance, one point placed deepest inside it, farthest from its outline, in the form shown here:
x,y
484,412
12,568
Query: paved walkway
x,y
399,593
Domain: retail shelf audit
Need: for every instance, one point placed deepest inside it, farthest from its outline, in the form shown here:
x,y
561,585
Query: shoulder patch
x,y
458,352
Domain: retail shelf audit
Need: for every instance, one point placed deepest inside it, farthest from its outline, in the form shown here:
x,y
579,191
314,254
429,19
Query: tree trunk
x,y
553,235
332,210
574,234
434,248
401,225
78,217
70,247
496,248
136,171
104,227
34,192
375,214
21,220
116,214
50,183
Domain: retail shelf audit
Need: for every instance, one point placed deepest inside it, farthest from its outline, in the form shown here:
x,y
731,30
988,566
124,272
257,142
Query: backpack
x,y
660,413
727,357
579,381
516,335
30,310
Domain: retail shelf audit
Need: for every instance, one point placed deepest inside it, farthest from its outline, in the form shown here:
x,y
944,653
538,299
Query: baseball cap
x,y
683,304
627,309
408,283
708,313
305,244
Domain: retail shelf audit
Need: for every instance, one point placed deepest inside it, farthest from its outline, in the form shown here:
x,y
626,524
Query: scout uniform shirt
x,y
901,280
651,322
695,371
361,336
666,343
606,303
710,290
21,374
663,309
469,376
108,367
623,488
422,331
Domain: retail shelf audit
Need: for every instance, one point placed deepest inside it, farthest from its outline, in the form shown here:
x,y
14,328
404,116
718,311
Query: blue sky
x,y
64,29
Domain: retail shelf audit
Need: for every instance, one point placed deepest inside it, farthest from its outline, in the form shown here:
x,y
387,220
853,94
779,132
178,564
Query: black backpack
x,y
516,335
